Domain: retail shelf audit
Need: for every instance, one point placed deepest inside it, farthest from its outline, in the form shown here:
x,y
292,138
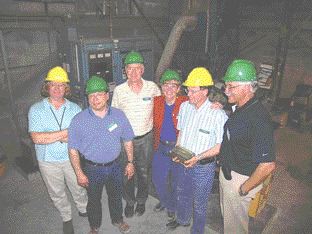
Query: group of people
x,y
132,139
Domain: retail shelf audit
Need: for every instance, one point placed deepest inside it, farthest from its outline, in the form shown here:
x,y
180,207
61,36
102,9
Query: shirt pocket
x,y
205,133
147,100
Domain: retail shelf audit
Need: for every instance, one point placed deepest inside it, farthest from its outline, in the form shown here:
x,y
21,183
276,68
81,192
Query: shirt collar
x,y
249,103
143,81
205,105
47,104
93,115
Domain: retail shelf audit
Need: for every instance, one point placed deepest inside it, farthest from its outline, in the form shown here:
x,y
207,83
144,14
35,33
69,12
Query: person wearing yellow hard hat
x,y
135,98
56,76
48,123
95,137
247,152
200,131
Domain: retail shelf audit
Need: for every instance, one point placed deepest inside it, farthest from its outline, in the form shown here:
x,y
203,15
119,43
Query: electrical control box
x,y
105,58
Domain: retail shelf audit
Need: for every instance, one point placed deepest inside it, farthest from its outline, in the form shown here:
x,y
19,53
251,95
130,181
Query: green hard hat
x,y
170,74
96,84
240,70
134,57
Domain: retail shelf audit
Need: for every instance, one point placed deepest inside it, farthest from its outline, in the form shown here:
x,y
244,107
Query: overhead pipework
x,y
184,23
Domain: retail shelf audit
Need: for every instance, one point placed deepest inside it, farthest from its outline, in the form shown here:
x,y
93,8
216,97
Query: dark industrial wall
x,y
36,34
35,37
31,30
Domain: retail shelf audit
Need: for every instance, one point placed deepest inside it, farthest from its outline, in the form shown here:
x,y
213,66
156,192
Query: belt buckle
x,y
206,161
168,142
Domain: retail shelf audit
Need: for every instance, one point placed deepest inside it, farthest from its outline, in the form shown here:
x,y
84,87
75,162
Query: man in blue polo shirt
x,y
96,133
48,123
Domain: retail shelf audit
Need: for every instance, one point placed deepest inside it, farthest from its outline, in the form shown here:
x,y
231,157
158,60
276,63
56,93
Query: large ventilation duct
x,y
184,23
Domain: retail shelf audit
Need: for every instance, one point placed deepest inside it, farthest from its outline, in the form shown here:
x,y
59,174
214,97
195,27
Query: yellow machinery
x,y
261,198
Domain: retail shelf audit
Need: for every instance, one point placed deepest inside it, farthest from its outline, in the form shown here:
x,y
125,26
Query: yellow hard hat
x,y
199,76
57,74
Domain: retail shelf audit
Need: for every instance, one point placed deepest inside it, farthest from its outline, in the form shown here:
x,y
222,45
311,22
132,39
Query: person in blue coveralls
x,y
165,118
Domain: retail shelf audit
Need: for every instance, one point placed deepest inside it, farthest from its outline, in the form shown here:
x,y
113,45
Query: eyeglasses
x,y
57,85
170,85
229,87
191,91
97,95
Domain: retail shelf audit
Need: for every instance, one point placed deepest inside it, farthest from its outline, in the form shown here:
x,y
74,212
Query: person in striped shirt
x,y
135,99
200,131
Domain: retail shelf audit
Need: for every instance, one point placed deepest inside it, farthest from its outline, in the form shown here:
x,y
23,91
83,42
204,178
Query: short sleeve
x,y
157,91
127,133
263,142
181,117
115,98
74,134
219,127
35,123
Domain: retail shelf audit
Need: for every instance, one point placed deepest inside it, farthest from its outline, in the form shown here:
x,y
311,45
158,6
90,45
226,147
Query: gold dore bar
x,y
181,153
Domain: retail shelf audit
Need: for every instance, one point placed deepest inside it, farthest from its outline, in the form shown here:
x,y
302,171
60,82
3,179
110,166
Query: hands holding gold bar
x,y
180,154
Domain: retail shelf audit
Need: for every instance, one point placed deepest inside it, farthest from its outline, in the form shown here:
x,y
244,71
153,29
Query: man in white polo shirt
x,y
135,98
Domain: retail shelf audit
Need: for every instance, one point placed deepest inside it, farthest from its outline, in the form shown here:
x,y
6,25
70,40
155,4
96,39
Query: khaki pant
x,y
234,208
56,175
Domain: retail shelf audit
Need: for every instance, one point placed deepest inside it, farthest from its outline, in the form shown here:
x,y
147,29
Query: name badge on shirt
x,y
204,131
112,126
147,99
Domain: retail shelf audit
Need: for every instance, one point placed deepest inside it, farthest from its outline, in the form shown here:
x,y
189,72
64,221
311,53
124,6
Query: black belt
x,y
207,160
139,137
99,164
171,143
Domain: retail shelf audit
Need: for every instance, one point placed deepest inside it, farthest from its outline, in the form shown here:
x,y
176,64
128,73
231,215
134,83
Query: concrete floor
x,y
292,198
26,207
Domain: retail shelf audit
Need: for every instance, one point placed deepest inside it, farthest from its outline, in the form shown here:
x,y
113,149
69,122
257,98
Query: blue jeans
x,y
193,189
163,169
111,177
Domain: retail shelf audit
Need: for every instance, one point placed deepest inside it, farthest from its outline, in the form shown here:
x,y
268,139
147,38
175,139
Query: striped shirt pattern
x,y
200,129
137,107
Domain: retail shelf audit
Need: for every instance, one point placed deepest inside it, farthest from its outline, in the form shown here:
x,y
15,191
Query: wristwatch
x,y
130,161
241,193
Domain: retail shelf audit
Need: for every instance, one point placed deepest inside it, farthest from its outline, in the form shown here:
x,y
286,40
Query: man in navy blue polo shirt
x,y
247,150
96,133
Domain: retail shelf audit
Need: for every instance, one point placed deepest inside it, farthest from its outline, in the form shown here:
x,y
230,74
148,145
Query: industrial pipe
x,y
183,23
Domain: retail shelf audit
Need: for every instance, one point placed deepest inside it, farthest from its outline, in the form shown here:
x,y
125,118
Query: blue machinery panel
x,y
105,59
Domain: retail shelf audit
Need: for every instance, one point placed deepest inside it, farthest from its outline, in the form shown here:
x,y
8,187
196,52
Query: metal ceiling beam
x,y
47,1
274,24
282,50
